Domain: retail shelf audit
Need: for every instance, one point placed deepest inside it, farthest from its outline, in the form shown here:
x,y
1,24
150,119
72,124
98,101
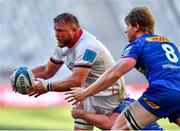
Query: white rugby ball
x,y
23,80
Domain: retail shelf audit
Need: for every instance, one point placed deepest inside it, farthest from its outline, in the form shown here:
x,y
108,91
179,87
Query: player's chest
x,y
69,59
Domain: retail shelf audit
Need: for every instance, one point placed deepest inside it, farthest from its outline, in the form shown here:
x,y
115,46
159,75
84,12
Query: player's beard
x,y
64,44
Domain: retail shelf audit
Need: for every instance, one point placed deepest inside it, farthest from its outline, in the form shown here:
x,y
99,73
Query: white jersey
x,y
88,52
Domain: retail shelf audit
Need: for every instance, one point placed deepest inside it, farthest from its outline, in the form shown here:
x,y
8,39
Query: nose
x,y
56,34
125,31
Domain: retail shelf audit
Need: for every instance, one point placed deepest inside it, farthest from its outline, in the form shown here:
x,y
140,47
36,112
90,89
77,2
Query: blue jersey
x,y
157,58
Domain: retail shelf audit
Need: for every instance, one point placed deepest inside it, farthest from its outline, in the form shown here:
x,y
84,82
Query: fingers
x,y
14,89
12,84
75,102
32,93
72,98
73,90
69,92
37,95
38,79
75,95
68,98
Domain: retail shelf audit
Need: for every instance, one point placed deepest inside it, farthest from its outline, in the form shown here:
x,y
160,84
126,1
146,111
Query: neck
x,y
139,34
77,36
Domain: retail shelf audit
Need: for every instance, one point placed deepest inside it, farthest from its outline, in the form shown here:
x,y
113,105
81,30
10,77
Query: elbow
x,y
48,76
106,126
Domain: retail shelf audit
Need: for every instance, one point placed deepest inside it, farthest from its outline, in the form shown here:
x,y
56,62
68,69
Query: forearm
x,y
65,85
105,81
111,76
100,121
39,72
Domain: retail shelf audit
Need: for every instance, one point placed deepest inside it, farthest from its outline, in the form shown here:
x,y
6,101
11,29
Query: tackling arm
x,y
106,80
123,66
101,121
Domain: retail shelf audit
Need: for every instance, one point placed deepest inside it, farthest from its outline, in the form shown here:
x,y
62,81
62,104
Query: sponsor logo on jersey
x,y
70,66
126,51
151,104
89,56
157,39
171,66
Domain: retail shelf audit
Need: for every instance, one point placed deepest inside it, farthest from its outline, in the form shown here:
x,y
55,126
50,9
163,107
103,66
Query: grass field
x,y
46,118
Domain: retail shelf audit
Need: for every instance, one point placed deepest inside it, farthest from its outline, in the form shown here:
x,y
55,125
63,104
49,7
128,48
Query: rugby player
x,y
105,122
158,59
87,58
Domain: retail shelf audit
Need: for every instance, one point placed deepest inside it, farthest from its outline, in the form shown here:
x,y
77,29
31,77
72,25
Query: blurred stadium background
x,y
27,39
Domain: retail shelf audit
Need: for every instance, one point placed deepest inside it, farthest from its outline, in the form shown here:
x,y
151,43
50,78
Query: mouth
x,y
58,40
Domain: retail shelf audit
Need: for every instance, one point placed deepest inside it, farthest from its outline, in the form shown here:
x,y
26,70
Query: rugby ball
x,y
23,80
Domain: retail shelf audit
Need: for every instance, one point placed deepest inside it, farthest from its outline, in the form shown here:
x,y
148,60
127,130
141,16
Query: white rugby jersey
x,y
87,52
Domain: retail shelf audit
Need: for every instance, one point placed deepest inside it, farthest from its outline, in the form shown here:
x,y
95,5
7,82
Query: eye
x,y
58,30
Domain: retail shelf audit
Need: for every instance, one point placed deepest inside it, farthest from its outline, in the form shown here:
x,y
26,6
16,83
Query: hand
x,y
12,82
77,111
76,95
39,88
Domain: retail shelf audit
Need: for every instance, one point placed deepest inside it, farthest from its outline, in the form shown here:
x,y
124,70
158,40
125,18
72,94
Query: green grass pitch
x,y
47,118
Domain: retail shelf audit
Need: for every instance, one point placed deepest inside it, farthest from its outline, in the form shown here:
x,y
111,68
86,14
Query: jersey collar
x,y
75,40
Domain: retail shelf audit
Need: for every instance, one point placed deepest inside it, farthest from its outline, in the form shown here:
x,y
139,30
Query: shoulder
x,y
88,41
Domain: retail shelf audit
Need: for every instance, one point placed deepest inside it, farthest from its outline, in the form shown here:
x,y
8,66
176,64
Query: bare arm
x,y
107,79
46,71
101,121
77,79
123,66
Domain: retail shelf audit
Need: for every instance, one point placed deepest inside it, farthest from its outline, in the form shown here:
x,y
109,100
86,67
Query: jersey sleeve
x,y
57,56
133,50
85,55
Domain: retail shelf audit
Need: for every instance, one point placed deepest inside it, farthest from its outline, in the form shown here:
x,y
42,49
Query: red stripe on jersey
x,y
113,91
75,40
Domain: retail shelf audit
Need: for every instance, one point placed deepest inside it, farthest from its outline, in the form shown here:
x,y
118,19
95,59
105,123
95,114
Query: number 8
x,y
170,53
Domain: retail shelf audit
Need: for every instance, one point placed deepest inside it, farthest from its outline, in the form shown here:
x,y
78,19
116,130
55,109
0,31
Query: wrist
x,y
50,86
87,92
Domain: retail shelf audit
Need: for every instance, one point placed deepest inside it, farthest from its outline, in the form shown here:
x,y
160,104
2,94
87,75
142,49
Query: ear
x,y
74,27
136,28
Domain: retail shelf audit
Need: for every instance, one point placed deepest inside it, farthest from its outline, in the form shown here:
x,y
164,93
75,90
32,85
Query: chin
x,y
131,40
60,45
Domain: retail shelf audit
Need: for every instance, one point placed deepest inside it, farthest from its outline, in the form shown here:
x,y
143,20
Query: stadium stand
x,y
27,36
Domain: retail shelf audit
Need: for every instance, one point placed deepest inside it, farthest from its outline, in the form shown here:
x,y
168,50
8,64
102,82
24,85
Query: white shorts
x,y
100,105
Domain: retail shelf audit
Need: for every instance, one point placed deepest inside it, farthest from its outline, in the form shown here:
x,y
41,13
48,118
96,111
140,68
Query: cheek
x,y
130,32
